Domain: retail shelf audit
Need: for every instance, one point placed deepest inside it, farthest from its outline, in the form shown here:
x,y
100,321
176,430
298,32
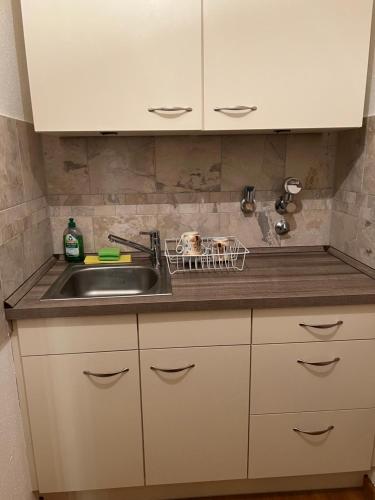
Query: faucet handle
x,y
152,233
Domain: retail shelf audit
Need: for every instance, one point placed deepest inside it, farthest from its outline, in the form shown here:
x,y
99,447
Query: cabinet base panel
x,y
219,488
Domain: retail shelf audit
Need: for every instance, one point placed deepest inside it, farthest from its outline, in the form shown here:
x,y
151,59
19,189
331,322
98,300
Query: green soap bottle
x,y
73,243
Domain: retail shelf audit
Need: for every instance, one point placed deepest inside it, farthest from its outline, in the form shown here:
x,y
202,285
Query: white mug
x,y
190,243
220,248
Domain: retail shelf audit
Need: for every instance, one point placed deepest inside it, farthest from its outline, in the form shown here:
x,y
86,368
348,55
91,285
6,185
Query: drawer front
x,y
81,334
280,383
200,328
277,450
313,324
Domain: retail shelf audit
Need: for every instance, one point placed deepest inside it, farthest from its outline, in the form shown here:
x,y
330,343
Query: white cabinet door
x,y
86,429
302,63
195,420
99,65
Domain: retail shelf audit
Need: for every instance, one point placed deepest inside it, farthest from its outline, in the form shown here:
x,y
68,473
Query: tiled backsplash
x,y
179,183
25,235
353,215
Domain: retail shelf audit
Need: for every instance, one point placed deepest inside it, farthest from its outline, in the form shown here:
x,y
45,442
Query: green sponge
x,y
109,253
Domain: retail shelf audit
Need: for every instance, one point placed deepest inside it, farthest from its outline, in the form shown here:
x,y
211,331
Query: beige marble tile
x,y
344,232
31,151
308,227
187,163
369,163
172,226
365,242
99,210
11,185
350,158
12,222
121,164
310,158
37,246
12,264
126,226
349,202
253,231
126,209
65,162
257,160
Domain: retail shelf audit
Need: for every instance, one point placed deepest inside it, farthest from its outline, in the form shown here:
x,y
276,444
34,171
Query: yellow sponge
x,y
94,259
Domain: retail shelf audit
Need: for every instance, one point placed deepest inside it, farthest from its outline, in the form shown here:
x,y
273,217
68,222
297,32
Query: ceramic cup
x,y
220,248
190,243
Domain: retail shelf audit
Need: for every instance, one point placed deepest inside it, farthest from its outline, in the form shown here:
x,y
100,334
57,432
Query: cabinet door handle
x,y
319,363
172,370
322,327
315,433
103,375
236,108
166,109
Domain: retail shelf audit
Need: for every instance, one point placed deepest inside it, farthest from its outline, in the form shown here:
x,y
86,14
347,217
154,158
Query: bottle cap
x,y
71,222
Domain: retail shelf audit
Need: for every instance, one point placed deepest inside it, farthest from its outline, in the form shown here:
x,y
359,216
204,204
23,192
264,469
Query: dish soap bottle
x,y
73,243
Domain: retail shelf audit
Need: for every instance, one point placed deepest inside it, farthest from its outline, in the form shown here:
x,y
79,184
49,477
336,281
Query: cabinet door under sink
x,y
195,420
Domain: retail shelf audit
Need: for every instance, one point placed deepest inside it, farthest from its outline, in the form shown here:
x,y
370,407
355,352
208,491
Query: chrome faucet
x,y
154,250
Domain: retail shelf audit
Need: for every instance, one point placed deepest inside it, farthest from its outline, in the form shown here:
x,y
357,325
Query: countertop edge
x,y
152,307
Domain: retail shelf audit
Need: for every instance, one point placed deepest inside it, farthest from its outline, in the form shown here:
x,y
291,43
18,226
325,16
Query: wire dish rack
x,y
232,258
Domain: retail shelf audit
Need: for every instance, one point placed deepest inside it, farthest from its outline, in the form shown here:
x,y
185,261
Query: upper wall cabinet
x,y
99,65
301,63
108,65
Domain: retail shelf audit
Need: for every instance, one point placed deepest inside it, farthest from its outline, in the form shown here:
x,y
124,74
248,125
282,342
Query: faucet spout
x,y
154,250
129,243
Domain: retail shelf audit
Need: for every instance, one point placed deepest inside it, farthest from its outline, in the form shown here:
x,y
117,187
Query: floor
x,y
365,493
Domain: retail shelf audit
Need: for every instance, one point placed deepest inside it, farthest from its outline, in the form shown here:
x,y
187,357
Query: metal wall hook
x,y
248,200
282,227
285,203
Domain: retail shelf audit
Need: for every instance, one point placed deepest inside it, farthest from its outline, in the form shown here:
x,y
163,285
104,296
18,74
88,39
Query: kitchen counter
x,y
288,277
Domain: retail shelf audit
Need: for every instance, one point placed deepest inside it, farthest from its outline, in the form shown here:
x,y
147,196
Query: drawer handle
x,y
165,109
319,363
322,327
315,433
172,370
103,375
236,108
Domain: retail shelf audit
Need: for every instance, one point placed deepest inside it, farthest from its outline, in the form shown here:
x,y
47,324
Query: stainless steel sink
x,y
80,281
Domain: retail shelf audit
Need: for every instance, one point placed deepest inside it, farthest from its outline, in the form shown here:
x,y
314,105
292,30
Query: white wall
x,y
14,85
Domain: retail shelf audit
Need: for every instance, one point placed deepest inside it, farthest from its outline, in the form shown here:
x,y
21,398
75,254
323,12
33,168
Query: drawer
x,y
279,383
277,450
306,324
81,334
198,328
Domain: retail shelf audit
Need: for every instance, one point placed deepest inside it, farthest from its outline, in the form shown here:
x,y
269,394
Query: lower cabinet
x,y
177,409
195,413
86,429
293,444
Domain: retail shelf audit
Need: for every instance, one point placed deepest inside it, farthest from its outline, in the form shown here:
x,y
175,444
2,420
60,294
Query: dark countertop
x,y
285,277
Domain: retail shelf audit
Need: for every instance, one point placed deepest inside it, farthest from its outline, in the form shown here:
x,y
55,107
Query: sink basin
x,y
80,281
